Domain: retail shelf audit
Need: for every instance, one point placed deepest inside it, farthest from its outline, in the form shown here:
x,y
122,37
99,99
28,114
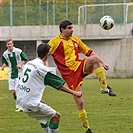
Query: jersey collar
x,y
40,60
60,36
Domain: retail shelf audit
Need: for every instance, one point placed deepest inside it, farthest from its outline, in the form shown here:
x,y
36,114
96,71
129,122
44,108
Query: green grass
x,y
106,114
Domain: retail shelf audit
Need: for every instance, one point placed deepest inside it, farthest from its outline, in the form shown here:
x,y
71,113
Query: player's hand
x,y
78,93
42,101
19,66
105,65
2,68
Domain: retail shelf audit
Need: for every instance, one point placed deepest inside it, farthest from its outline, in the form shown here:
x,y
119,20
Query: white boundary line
x,y
3,96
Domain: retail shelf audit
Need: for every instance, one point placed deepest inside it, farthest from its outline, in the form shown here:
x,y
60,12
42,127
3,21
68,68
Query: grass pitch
x,y
106,114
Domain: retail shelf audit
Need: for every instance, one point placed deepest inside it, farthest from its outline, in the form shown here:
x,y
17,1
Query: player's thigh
x,y
43,114
11,84
88,65
16,83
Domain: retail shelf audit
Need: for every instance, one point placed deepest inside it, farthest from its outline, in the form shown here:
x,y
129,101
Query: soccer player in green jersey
x,y
32,84
15,59
65,49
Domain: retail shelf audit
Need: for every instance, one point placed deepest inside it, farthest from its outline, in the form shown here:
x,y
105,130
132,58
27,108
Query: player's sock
x,y
18,109
101,77
53,127
45,126
53,130
83,117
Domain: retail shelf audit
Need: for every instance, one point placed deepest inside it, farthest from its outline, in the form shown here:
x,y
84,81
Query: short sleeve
x,y
4,61
53,80
23,56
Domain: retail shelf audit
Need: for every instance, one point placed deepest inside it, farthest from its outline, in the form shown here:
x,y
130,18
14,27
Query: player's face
x,y
9,45
68,31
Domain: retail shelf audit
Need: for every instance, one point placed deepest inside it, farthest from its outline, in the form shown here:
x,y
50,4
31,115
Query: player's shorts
x,y
75,79
43,114
13,83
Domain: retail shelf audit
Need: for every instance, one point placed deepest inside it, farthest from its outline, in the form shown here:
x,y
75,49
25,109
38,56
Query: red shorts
x,y
75,79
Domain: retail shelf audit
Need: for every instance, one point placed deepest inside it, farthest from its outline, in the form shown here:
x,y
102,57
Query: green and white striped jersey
x,y
33,80
13,58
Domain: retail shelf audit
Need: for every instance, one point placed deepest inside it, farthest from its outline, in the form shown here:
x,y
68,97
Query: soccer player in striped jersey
x,y
65,49
15,59
32,84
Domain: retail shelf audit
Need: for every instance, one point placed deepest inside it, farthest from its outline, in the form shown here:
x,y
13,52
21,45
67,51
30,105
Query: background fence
x,y
52,12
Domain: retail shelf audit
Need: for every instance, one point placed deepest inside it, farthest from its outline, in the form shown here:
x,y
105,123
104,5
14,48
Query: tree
x,y
42,12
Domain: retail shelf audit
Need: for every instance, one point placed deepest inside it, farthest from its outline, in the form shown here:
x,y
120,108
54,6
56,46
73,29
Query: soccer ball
x,y
106,22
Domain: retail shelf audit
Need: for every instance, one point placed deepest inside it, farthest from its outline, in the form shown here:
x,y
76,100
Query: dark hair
x,y
64,24
43,49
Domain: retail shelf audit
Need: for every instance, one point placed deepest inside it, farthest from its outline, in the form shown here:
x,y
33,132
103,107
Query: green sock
x,y
45,125
53,125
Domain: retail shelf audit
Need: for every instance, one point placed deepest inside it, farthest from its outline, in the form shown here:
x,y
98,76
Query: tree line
x,y
49,12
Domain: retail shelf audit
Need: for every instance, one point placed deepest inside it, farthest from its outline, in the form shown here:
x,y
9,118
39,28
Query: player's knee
x,y
80,104
92,60
13,92
57,116
95,59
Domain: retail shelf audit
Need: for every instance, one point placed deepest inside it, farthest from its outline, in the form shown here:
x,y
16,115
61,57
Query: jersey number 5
x,y
26,76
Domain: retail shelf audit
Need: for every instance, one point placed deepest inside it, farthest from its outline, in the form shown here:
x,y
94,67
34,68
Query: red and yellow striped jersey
x,y
65,53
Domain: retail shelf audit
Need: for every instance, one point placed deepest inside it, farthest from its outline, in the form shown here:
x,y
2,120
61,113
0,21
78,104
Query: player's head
x,y
64,24
43,50
66,28
9,44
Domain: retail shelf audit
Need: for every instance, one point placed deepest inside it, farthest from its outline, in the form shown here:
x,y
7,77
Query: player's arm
x,y
67,90
24,59
82,47
58,83
3,66
4,63
89,52
104,64
20,64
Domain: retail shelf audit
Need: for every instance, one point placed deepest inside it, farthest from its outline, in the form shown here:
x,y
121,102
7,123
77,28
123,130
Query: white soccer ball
x,y
107,22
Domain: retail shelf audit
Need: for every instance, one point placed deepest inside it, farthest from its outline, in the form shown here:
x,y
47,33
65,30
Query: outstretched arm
x,y
67,90
58,83
24,59
20,65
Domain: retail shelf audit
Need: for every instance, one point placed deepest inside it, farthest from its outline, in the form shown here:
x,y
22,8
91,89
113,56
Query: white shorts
x,y
13,83
43,114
